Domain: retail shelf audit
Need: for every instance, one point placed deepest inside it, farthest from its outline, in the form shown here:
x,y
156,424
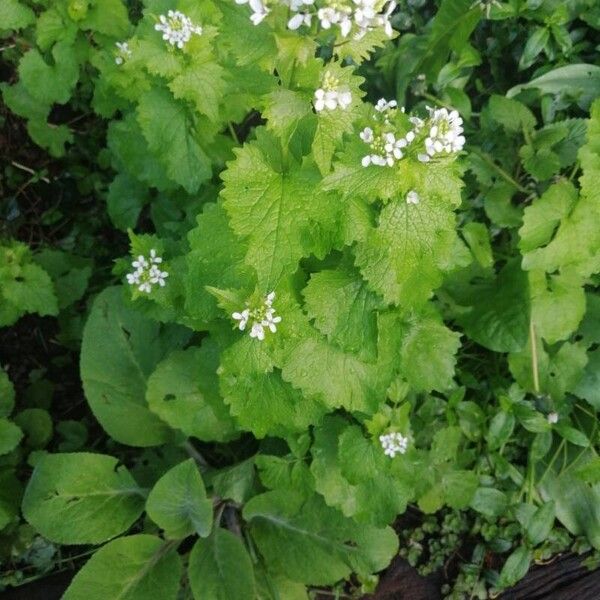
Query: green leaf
x,y
36,423
220,568
138,567
96,498
515,567
500,430
216,259
30,290
403,257
489,502
588,387
203,84
120,349
184,392
557,304
124,201
168,127
541,523
258,397
312,543
428,355
50,83
234,482
499,318
535,44
108,17
277,209
577,504
581,80
178,504
542,217
344,310
10,436
70,274
14,15
514,116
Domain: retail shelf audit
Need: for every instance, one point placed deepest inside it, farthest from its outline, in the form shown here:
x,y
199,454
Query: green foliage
x,y
327,314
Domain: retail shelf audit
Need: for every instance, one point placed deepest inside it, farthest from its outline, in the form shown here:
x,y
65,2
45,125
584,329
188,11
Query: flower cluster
x,y
393,443
177,29
259,9
331,95
147,272
123,52
357,16
259,317
445,134
552,418
386,147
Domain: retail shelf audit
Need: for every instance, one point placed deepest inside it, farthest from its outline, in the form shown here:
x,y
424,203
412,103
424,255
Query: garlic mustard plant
x,y
393,443
331,94
147,272
177,29
445,133
260,318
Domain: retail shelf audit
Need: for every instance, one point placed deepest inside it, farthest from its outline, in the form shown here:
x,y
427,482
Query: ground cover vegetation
x,y
276,274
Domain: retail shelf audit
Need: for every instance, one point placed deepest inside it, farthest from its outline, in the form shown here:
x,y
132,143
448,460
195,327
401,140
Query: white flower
x,y
123,52
177,29
300,19
260,317
147,273
552,418
331,94
259,10
445,134
412,197
383,105
393,443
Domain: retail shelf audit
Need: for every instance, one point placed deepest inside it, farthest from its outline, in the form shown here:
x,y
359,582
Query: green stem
x,y
233,133
508,178
534,358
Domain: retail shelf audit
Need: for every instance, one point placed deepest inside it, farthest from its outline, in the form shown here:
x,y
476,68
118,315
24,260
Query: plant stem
x,y
534,358
488,159
189,448
233,133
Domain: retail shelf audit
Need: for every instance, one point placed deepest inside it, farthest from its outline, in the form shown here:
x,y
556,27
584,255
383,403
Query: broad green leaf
x,y
234,482
10,436
138,567
541,523
96,498
14,15
107,17
428,354
49,84
257,395
124,201
402,258
312,543
489,502
184,392
344,310
560,370
202,83
220,568
216,259
120,349
588,387
515,567
334,377
581,80
178,504
277,209
577,504
499,317
542,217
557,304
511,114
171,134
36,424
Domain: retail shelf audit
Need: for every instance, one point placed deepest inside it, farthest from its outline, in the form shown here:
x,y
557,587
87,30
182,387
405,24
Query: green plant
x,y
333,308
